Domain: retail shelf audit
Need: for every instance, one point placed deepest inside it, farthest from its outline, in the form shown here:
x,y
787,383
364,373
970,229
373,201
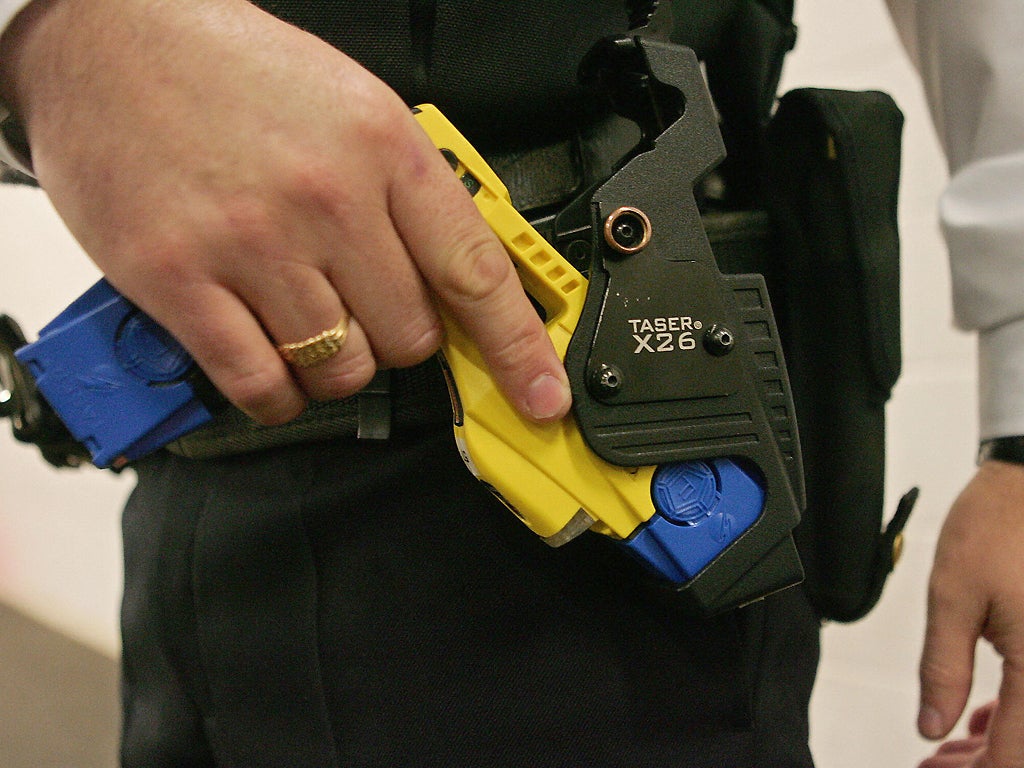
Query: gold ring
x,y
315,349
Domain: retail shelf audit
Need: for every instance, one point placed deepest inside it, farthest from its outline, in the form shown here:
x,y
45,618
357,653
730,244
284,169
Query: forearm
x,y
971,60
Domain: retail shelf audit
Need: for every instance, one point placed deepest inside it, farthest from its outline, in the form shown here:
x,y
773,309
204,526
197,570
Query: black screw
x,y
606,380
719,340
628,231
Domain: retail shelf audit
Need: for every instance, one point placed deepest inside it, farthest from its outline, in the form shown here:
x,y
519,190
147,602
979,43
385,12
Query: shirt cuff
x,y
10,153
1000,378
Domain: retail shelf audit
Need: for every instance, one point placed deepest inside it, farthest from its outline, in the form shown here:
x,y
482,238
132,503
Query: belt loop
x,y
374,413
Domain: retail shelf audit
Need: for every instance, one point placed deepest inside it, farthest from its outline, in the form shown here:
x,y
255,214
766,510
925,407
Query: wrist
x,y
13,146
1007,449
9,9
19,20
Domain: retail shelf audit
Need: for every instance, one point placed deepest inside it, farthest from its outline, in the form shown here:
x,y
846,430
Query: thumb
x,y
947,661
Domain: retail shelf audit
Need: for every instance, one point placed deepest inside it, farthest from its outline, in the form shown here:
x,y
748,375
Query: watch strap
x,y
1009,449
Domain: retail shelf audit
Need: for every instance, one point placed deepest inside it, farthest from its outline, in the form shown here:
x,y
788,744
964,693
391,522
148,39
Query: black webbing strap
x,y
399,401
373,408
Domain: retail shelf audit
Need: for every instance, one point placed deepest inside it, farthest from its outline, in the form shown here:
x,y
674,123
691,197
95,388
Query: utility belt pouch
x,y
834,164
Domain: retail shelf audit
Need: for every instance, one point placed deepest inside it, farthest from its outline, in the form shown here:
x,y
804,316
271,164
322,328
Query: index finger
x,y
947,659
473,277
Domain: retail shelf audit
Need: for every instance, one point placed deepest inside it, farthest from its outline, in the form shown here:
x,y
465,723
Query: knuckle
x,y
342,380
516,349
312,184
385,122
476,271
418,345
285,277
945,591
167,261
244,221
344,204
941,676
377,124
259,393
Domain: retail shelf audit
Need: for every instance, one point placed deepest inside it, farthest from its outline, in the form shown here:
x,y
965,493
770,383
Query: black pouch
x,y
833,169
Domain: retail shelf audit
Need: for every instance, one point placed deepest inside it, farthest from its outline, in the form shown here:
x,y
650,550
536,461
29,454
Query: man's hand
x,y
247,186
961,753
977,590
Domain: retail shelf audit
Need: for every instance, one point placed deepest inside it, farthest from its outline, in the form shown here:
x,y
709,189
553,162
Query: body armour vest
x,y
504,72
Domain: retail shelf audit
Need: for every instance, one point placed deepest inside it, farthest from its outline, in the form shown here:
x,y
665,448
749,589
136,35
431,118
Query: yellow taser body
x,y
545,473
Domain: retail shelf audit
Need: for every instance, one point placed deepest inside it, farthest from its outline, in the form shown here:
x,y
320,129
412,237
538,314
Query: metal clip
x,y
32,418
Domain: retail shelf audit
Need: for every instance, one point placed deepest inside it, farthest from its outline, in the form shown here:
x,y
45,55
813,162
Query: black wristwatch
x,y
1009,449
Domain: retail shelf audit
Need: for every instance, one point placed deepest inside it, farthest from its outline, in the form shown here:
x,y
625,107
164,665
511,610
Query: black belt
x,y
410,399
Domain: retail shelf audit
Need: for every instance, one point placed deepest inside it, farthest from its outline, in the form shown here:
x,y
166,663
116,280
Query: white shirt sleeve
x,y
8,155
971,59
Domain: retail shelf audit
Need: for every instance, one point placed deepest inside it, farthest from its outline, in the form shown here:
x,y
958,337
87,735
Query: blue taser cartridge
x,y
122,385
701,508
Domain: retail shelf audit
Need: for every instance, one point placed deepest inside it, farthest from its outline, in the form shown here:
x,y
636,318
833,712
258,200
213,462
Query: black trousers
x,y
361,604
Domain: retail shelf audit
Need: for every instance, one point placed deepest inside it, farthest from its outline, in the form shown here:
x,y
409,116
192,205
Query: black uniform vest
x,y
505,72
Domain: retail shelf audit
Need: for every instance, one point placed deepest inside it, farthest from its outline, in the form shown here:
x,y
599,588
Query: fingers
x,y
382,267
334,362
975,592
290,183
299,313
981,717
983,747
383,289
473,278
961,753
232,348
947,660
1005,748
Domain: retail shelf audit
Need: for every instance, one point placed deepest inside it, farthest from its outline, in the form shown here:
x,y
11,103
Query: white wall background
x,y
59,538
865,703
60,553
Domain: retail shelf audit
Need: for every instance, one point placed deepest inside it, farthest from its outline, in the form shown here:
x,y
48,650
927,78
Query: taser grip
x,y
545,473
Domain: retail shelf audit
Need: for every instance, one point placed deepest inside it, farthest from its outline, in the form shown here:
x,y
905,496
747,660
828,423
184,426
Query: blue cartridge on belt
x,y
121,383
